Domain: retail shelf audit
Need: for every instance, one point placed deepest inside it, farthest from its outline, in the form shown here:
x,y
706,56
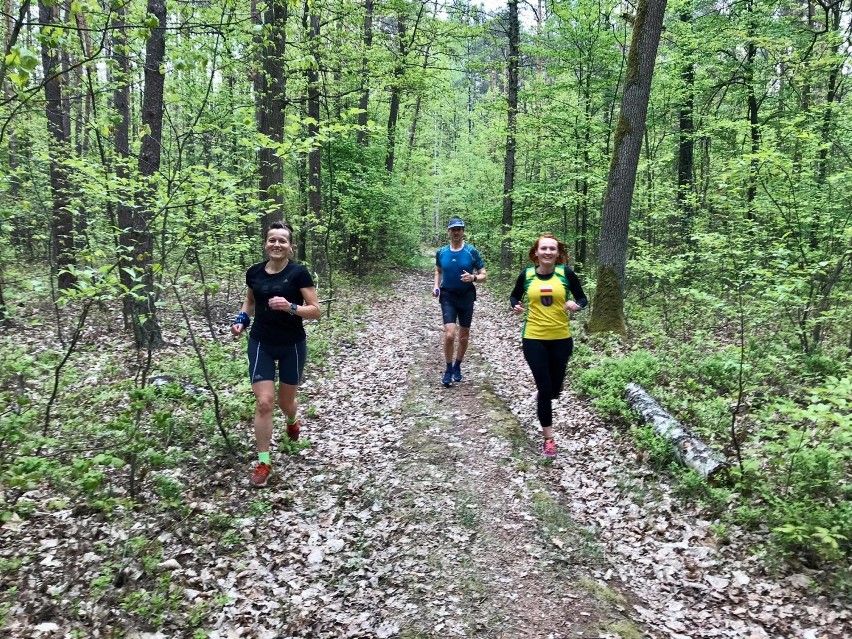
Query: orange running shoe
x,y
260,475
293,430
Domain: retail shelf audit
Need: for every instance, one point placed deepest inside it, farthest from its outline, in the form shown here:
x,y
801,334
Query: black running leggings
x,y
548,359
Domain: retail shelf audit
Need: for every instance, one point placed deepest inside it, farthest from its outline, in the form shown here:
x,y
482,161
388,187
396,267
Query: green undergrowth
x,y
782,419
125,437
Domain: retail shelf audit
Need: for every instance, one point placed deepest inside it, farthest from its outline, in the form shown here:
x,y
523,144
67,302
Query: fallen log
x,y
688,449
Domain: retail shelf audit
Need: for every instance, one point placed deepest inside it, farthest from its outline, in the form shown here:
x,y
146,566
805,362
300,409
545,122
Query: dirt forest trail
x,y
424,512
415,512
419,507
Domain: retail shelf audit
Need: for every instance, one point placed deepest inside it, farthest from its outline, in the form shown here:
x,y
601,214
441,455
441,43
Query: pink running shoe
x,y
549,449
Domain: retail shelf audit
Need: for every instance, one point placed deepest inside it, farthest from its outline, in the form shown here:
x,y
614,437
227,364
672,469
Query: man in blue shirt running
x,y
458,266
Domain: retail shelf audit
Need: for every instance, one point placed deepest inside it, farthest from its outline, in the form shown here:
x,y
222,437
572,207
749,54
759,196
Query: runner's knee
x,y
265,405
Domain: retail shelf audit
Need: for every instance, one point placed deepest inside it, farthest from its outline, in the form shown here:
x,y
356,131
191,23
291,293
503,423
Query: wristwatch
x,y
293,308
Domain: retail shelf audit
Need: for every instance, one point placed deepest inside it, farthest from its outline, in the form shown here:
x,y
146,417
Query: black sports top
x,y
277,328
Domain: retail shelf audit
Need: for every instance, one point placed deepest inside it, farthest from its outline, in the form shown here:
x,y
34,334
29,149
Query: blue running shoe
x,y
447,379
457,376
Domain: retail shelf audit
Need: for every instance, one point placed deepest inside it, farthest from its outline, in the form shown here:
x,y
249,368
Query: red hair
x,y
561,249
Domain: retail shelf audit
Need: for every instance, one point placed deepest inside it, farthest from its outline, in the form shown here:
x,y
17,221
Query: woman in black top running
x,y
280,294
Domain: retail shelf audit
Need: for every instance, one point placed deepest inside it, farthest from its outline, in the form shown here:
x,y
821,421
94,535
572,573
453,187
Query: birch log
x,y
689,450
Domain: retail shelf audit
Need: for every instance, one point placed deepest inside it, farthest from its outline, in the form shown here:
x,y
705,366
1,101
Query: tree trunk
x,y
415,118
311,23
607,308
10,37
686,144
270,91
511,126
364,100
87,75
121,139
13,29
688,449
146,329
396,91
59,144
753,106
830,98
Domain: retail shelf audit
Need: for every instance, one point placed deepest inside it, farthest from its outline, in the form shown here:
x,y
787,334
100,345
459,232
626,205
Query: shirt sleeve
x,y
304,279
438,258
577,289
478,262
517,293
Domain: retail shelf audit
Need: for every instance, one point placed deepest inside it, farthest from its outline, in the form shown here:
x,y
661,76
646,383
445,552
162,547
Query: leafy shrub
x,y
815,532
806,488
605,382
660,452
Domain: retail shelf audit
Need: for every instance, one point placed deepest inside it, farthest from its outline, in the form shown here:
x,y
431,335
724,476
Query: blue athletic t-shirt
x,y
277,328
452,263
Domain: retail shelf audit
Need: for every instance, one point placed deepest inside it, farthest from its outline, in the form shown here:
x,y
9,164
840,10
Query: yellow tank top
x,y
546,297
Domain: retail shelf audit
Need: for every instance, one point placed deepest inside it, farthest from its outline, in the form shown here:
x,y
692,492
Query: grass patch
x,y
467,511
557,524
601,591
624,629
517,436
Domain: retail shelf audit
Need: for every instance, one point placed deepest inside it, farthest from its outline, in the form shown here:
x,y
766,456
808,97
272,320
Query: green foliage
x,y
290,447
150,606
605,382
737,287
811,531
168,490
659,449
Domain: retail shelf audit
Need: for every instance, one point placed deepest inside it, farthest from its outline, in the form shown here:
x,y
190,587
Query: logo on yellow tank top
x,y
546,295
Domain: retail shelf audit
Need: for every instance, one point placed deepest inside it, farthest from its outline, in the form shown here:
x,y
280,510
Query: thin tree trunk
x,y
753,106
830,98
13,29
415,118
270,93
145,325
121,140
62,240
396,91
9,38
686,144
319,258
511,126
364,100
87,108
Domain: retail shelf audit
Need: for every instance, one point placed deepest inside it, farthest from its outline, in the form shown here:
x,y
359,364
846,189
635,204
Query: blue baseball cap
x,y
455,222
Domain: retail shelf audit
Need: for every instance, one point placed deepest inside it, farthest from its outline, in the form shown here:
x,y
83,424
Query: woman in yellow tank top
x,y
547,342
